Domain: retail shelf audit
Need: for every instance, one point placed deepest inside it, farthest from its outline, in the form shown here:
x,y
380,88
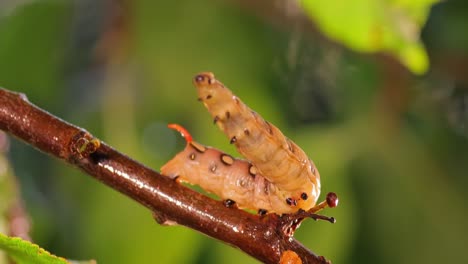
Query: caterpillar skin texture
x,y
227,177
275,156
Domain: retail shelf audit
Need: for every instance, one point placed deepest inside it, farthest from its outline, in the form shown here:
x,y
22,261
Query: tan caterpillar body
x,y
276,157
228,177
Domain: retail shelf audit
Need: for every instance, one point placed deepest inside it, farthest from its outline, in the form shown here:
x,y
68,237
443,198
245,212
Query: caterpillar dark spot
x,y
304,196
290,201
228,114
198,147
233,140
215,119
192,156
252,170
246,132
226,159
208,97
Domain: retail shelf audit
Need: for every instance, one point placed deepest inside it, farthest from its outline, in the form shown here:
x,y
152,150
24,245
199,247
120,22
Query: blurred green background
x,y
392,144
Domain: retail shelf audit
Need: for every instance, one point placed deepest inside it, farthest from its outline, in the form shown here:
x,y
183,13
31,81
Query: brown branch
x,y
170,202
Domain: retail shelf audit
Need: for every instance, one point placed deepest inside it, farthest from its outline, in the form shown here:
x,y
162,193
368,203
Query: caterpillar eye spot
x,y
252,170
198,147
192,156
304,196
227,160
246,132
209,97
262,212
291,202
233,140
213,168
228,114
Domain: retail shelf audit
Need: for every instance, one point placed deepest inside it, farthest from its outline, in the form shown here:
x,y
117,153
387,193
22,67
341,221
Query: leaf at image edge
x,y
23,252
391,26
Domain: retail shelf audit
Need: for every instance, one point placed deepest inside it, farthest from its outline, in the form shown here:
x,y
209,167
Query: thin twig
x,y
169,201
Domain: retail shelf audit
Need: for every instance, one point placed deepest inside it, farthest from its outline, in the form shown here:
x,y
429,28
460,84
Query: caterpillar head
x,y
211,92
206,86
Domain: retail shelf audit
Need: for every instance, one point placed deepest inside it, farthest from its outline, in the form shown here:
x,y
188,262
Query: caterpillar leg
x,y
290,222
229,203
262,212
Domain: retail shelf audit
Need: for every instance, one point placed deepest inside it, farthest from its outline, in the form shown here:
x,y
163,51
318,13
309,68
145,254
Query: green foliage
x,y
25,252
392,26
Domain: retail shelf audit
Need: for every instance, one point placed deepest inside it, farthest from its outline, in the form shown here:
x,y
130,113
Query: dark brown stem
x,y
169,201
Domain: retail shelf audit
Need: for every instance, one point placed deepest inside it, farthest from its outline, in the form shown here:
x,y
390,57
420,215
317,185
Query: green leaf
x,y
391,26
24,252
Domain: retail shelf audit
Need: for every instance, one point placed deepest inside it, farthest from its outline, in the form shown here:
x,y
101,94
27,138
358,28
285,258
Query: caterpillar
x,y
276,177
